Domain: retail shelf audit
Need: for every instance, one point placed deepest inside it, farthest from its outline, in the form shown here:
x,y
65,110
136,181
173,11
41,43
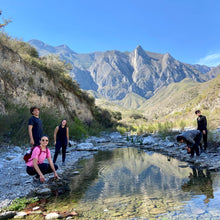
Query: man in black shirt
x,y
202,126
35,127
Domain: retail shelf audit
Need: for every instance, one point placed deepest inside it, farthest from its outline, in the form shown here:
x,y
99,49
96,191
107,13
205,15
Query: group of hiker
x,y
40,152
193,138
35,164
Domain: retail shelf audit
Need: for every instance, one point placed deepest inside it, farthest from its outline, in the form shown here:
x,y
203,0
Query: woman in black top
x,y
61,139
202,126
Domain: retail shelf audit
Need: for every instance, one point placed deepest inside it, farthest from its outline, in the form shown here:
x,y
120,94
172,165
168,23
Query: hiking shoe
x,y
63,164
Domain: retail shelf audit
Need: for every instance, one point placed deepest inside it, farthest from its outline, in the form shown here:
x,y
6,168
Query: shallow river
x,y
129,183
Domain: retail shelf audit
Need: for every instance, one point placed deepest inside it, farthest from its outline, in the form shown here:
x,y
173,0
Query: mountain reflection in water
x,y
130,182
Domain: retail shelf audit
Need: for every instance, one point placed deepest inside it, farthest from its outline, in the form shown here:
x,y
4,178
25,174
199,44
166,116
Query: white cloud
x,y
210,60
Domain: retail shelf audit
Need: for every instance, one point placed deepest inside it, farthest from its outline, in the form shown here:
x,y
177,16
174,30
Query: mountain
x,y
172,97
180,100
114,74
131,101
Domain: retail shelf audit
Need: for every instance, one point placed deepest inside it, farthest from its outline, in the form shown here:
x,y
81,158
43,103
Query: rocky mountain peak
x,y
65,48
114,74
167,56
41,46
140,51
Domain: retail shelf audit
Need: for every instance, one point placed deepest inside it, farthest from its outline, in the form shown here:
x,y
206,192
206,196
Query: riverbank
x,y
16,183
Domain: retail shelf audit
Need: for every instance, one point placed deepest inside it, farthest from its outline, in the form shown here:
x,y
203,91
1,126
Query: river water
x,y
129,183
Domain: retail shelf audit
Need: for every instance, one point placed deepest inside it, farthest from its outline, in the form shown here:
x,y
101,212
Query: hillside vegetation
x,y
27,79
172,107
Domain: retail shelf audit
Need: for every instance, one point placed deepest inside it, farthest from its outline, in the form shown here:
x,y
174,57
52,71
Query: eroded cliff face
x,y
23,84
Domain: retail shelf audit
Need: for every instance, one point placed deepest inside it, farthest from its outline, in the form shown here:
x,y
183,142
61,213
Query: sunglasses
x,y
45,140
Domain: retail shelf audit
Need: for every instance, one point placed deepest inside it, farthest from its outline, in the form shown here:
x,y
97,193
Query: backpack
x,y
28,154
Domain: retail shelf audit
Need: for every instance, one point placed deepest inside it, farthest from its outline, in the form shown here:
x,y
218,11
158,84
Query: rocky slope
x,y
25,85
114,74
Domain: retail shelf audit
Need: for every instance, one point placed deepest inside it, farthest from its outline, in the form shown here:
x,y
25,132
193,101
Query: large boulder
x,y
148,140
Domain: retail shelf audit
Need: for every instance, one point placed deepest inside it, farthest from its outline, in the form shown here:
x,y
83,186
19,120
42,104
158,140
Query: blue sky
x,y
187,29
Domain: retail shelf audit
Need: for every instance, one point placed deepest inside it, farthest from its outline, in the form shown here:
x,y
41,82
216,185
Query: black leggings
x,y
195,147
205,139
60,144
44,167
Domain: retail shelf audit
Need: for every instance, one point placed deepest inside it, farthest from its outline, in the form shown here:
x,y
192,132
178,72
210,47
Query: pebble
x,y
52,216
20,215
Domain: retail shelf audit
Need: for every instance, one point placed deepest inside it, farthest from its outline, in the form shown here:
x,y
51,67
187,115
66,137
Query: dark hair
x,y
62,121
197,111
32,109
179,138
45,136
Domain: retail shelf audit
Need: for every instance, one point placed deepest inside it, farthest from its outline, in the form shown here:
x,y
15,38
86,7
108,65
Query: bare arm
x,y
67,135
36,167
55,134
30,127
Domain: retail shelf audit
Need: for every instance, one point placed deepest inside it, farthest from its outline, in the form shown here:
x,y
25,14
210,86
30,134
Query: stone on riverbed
x,y
115,135
20,215
7,215
44,191
86,147
53,216
148,140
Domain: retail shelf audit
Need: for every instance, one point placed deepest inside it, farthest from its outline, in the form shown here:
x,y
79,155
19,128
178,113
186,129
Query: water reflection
x,y
131,183
130,172
200,183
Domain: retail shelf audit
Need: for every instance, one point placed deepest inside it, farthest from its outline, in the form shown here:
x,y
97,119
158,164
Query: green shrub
x,y
14,125
103,117
136,116
121,130
77,130
50,120
151,128
165,128
182,125
20,204
117,115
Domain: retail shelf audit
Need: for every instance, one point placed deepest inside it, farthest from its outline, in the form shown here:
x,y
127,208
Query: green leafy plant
x,y
77,130
20,203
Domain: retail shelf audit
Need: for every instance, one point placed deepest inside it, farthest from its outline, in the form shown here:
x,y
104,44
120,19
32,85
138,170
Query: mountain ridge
x,y
114,74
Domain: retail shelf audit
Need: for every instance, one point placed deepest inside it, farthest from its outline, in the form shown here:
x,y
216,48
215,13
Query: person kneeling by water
x,y
35,165
192,138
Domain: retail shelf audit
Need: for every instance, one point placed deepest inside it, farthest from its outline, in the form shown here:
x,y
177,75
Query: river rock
x,y
148,140
20,215
17,149
53,216
10,157
86,147
44,191
96,140
76,173
115,135
1,165
7,215
72,143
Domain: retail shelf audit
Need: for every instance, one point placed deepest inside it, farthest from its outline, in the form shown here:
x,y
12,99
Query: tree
x,y
5,21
